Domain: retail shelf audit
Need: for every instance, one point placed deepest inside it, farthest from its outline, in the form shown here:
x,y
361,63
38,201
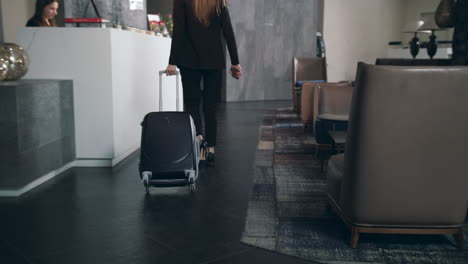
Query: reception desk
x,y
115,82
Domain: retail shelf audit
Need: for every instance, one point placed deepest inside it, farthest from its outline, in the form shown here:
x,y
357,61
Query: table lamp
x,y
430,24
413,28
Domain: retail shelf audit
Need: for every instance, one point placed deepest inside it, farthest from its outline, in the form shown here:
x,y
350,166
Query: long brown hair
x,y
40,5
205,9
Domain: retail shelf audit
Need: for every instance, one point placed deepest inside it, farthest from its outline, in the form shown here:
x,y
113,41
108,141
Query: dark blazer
x,y
33,23
197,46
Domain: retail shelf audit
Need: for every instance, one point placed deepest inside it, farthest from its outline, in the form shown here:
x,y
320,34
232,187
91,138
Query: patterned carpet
x,y
287,211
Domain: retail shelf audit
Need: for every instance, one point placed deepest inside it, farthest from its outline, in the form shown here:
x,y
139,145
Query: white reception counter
x,y
115,83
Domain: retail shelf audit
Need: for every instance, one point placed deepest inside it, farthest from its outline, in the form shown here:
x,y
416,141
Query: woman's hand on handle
x,y
236,71
171,70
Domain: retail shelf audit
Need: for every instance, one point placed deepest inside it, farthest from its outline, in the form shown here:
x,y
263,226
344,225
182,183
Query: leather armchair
x,y
405,168
306,69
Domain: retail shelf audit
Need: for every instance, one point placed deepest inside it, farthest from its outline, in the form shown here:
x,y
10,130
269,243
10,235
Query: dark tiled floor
x,y
101,215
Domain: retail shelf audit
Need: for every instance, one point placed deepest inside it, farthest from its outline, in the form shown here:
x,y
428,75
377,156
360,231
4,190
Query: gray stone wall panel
x,y
117,11
269,33
37,132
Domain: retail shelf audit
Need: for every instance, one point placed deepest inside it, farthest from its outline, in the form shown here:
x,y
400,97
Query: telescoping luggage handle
x,y
177,90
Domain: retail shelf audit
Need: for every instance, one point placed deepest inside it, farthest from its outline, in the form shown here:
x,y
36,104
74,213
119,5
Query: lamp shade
x,y
412,27
429,23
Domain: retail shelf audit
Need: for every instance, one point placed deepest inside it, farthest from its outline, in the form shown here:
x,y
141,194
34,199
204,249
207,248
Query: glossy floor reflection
x,y
101,215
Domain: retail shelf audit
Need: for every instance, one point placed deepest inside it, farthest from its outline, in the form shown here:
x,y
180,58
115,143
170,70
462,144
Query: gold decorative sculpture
x,y
14,62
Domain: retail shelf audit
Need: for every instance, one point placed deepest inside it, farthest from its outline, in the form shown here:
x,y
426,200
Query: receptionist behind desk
x,y
45,13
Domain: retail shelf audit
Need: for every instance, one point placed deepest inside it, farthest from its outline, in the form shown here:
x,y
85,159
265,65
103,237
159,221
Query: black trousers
x,y
193,95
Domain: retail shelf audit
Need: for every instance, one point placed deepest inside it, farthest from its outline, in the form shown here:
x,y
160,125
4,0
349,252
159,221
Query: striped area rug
x,y
287,211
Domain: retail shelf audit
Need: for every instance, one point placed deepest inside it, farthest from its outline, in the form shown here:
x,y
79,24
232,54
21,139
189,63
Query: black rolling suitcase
x,y
170,151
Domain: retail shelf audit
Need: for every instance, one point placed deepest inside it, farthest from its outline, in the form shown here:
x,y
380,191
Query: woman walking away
x,y
197,49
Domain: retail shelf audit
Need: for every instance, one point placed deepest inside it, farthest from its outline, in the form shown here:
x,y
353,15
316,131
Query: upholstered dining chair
x,y
325,107
405,168
305,70
327,99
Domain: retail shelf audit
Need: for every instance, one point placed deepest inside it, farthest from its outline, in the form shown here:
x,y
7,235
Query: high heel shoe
x,y
203,150
210,159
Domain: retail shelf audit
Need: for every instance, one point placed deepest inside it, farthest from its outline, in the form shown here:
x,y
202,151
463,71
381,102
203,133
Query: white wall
x,y
1,22
15,14
358,30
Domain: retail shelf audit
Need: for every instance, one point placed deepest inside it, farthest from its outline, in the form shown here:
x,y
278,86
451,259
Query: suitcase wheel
x,y
146,175
193,187
146,184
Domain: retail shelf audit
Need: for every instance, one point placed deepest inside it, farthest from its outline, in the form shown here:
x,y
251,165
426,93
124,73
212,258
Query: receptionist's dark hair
x,y
40,4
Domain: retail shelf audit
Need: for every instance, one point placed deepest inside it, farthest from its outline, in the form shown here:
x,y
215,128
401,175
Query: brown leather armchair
x,y
405,168
306,69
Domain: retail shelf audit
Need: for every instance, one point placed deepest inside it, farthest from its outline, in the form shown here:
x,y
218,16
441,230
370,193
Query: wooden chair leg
x,y
354,237
459,238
